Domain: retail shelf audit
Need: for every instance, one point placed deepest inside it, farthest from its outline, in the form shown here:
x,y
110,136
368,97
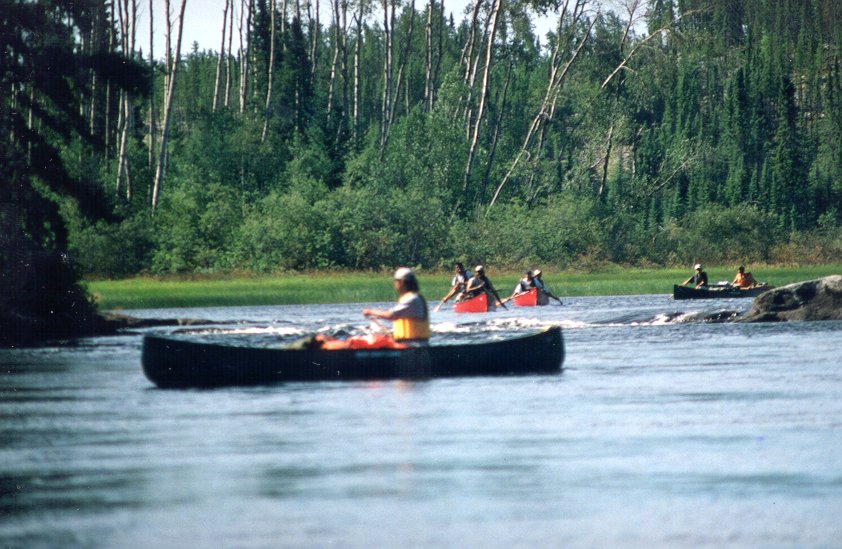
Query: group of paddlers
x,y
410,317
465,286
743,280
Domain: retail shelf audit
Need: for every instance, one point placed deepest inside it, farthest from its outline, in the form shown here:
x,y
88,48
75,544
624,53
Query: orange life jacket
x,y
370,341
744,280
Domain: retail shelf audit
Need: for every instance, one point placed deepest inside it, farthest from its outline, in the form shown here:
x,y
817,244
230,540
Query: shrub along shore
x,y
358,287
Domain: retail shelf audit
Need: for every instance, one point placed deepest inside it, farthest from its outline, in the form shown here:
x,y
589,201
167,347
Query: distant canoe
x,y
531,298
171,362
478,304
717,291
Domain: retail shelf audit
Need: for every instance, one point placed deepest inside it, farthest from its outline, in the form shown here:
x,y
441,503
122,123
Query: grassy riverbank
x,y
152,293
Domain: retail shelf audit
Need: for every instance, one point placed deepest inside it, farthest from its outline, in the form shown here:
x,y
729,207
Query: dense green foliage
x,y
711,132
46,151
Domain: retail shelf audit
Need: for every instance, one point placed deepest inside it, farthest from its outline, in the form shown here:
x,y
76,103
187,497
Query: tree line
x,y
634,132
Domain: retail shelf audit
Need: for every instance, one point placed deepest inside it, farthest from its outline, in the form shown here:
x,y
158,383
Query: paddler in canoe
x,y
480,283
699,278
410,322
410,317
457,284
744,280
542,287
526,283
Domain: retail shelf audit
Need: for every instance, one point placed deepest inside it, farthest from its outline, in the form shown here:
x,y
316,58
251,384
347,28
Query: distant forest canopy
x,y
636,132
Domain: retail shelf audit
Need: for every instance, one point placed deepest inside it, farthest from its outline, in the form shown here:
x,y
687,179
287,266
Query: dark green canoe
x,y
180,362
718,291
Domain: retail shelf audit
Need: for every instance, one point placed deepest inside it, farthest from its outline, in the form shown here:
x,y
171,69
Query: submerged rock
x,y
819,299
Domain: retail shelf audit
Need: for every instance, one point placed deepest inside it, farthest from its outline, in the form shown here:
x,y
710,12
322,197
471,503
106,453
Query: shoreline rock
x,y
819,299
24,331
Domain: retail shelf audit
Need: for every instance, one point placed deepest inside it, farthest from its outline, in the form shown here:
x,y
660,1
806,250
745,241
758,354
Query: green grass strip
x,y
300,289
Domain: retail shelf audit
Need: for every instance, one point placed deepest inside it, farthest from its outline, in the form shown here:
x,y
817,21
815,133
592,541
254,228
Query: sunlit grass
x,y
293,289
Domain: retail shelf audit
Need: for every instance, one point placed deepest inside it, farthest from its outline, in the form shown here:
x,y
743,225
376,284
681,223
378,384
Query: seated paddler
x,y
699,278
744,280
526,283
480,283
410,317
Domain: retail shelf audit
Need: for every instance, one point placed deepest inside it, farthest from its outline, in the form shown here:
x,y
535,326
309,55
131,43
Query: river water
x,y
662,431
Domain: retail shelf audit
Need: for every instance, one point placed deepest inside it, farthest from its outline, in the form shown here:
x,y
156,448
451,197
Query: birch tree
x,y
386,102
401,67
334,64
244,52
472,150
172,71
632,7
221,56
152,116
428,65
127,19
228,56
358,20
270,72
561,62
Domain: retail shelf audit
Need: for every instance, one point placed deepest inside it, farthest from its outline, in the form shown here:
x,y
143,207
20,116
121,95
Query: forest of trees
x,y
636,132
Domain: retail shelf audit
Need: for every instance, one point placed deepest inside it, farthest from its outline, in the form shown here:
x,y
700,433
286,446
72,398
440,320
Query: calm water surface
x,y
662,431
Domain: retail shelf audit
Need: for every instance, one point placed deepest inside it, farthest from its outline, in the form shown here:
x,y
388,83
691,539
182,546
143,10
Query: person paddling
x,y
479,283
457,284
526,283
410,317
542,287
699,277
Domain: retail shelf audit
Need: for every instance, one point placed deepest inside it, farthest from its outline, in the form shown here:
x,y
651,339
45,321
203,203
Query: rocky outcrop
x,y
819,299
33,332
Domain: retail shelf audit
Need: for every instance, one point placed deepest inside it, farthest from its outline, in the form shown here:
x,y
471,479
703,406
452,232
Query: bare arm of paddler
x,y
474,284
409,306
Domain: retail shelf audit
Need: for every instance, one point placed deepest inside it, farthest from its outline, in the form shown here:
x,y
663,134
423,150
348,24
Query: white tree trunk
x,y
168,101
386,103
483,94
401,66
334,7
270,72
228,57
356,116
428,67
558,73
218,79
245,46
152,118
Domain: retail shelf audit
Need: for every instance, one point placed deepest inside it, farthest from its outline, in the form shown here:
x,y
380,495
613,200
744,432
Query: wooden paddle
x,y
500,301
511,297
379,325
444,299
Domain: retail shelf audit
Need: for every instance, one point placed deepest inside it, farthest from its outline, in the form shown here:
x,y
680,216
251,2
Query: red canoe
x,y
478,304
531,298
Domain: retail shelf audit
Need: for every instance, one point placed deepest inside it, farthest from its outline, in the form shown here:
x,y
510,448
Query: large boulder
x,y
819,299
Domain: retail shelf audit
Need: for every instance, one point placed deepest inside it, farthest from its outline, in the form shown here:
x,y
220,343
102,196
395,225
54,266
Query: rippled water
x,y
661,431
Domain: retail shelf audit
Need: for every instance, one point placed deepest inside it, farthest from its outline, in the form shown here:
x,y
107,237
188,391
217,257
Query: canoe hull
x,y
478,304
714,292
531,298
176,363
